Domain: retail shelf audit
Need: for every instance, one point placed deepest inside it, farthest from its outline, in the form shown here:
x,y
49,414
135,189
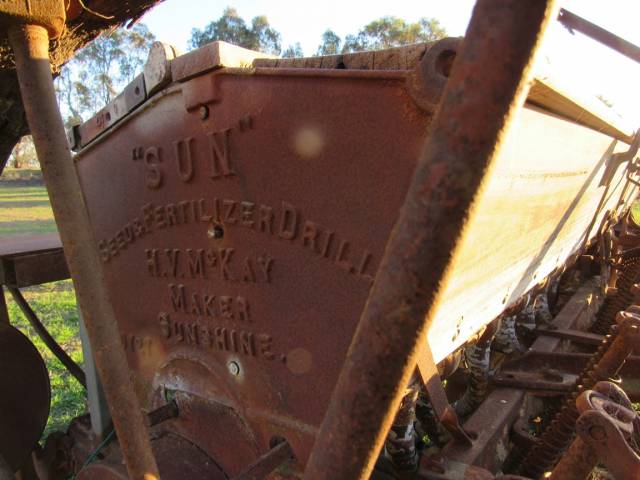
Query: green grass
x,y
25,210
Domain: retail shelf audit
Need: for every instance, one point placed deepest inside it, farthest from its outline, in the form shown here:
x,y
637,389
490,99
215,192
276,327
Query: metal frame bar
x,y
487,85
55,348
30,45
574,22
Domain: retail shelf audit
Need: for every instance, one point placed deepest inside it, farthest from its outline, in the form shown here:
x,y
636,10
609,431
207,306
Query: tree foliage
x,y
100,70
382,33
330,43
293,51
230,27
23,154
385,32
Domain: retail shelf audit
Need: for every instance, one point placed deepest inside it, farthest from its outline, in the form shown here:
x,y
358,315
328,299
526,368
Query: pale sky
x,y
585,65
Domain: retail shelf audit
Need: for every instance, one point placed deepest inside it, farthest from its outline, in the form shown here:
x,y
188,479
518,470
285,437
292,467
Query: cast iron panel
x,y
240,237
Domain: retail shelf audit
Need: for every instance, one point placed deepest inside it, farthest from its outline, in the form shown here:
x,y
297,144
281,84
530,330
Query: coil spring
x,y
623,298
559,434
477,360
400,446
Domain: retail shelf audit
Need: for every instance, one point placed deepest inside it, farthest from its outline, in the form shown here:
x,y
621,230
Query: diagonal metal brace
x,y
437,396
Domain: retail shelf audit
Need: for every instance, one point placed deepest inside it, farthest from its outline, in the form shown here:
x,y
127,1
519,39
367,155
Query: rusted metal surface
x,y
607,428
465,137
628,266
235,256
605,364
620,45
163,413
493,420
267,463
24,403
30,45
606,416
177,459
557,372
577,336
445,413
453,470
132,96
250,237
71,366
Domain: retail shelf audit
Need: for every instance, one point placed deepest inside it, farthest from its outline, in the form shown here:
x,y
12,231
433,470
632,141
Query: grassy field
x,y
25,210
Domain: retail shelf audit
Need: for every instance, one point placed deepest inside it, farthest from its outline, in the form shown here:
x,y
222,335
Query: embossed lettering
x,y
152,262
247,271
184,158
177,298
309,235
196,263
247,209
341,257
224,255
152,159
265,267
288,222
221,307
219,149
266,219
172,255
266,345
229,211
216,337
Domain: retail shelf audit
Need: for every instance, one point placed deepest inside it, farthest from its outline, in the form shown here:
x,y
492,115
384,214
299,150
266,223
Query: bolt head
x,y
234,368
215,231
597,433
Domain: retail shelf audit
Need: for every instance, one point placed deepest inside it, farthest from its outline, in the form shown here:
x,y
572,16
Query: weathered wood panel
x,y
533,214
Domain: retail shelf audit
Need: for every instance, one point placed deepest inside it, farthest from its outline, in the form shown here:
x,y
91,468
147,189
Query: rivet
x,y
204,112
234,368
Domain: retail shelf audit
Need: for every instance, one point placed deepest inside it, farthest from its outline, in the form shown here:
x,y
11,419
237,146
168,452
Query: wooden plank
x,y
531,217
550,97
32,260
212,56
28,244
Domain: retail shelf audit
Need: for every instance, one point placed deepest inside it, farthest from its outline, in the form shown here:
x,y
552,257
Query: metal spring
x,y
427,421
400,445
506,339
477,360
558,435
623,298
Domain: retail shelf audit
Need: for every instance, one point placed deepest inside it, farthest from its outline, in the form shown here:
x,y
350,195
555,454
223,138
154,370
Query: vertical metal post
x,y
31,47
4,313
487,85
98,407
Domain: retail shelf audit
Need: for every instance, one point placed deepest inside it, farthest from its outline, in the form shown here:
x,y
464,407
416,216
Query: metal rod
x,y
267,463
46,337
574,22
163,413
487,85
30,44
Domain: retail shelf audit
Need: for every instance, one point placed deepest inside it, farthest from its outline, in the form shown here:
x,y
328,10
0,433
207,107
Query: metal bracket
x,y
438,398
